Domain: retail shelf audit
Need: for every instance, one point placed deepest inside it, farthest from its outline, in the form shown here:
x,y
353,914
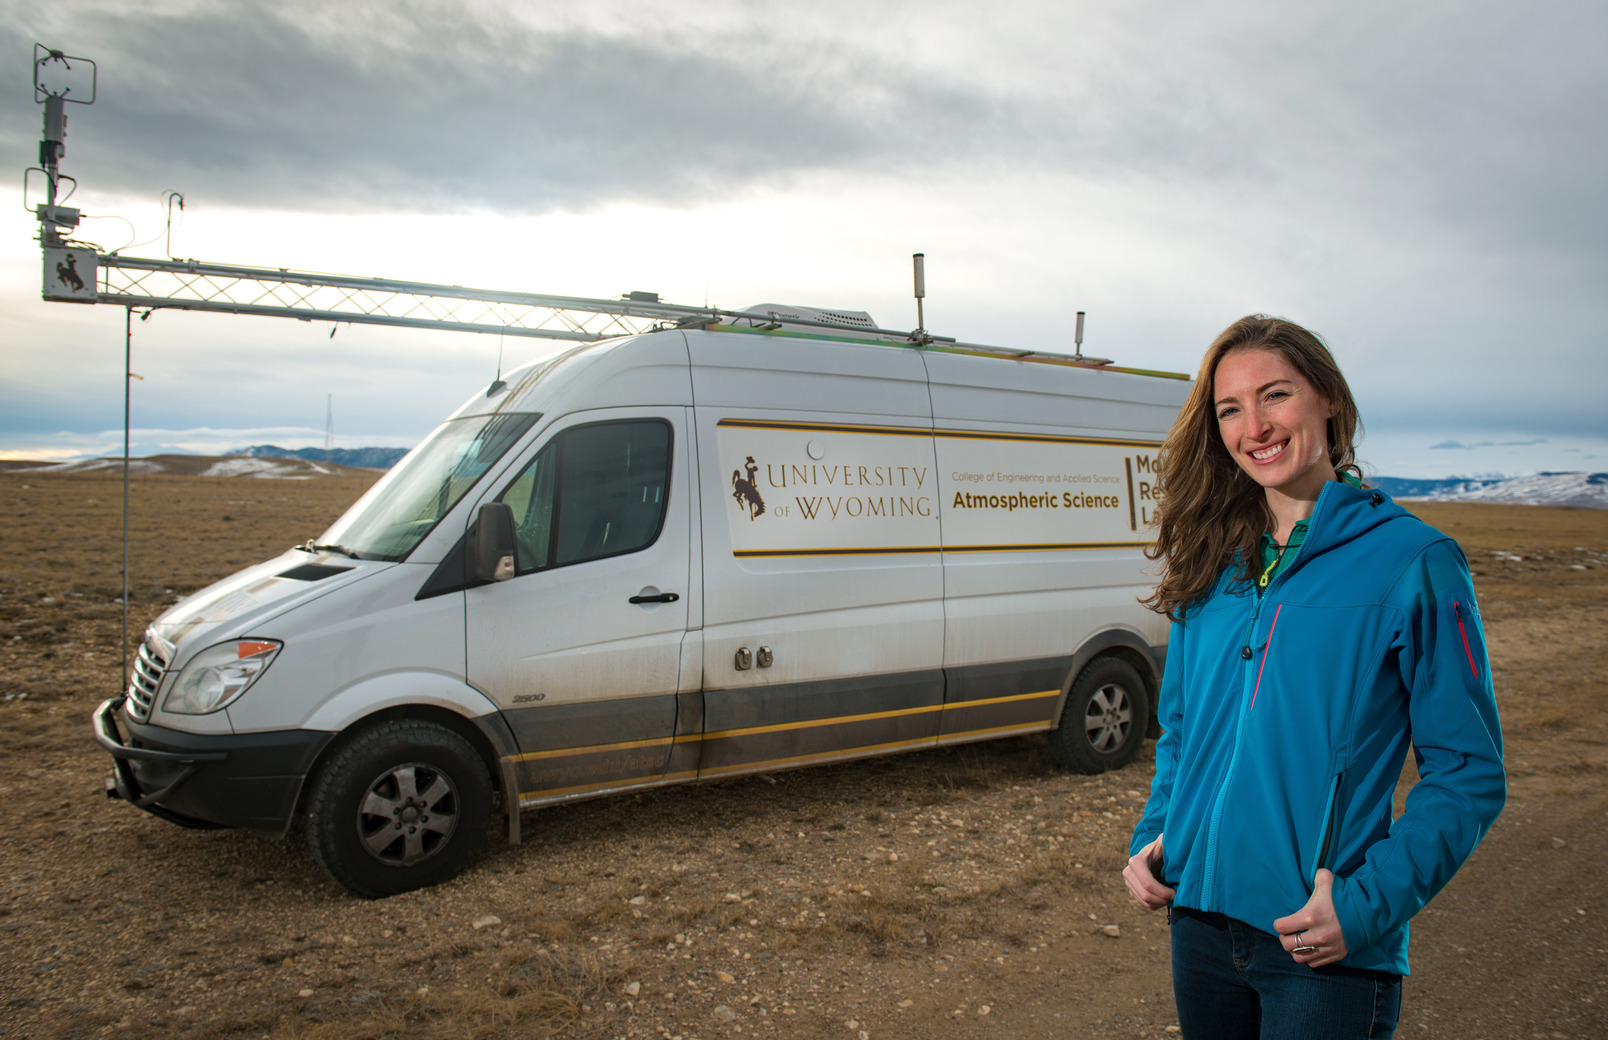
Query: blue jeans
x,y
1235,982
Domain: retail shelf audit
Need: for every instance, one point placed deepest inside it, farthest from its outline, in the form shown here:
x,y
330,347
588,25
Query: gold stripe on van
x,y
895,550
922,431
832,720
909,550
780,424
1044,546
822,756
891,550
593,749
838,720
1044,438
603,752
870,749
982,701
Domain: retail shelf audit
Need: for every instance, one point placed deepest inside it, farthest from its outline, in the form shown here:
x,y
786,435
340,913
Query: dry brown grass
x,y
537,998
112,923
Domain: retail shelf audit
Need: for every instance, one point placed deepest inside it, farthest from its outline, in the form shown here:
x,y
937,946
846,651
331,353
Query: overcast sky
x,y
1422,183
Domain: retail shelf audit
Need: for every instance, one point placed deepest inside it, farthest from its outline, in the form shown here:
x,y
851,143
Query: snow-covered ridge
x,y
198,466
366,458
1587,490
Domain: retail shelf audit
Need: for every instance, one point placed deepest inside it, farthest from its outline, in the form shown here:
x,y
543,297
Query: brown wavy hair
x,y
1211,512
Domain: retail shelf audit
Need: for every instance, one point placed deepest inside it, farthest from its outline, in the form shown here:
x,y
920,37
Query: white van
x,y
698,552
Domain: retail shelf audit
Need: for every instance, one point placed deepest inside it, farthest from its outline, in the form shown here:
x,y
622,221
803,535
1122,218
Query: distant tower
x,y
329,426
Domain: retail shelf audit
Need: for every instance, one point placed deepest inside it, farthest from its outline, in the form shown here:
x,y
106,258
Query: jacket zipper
x,y
1457,610
1320,856
1247,693
1247,697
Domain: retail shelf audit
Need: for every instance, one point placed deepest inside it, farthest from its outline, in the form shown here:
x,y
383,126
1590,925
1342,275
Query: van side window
x,y
592,491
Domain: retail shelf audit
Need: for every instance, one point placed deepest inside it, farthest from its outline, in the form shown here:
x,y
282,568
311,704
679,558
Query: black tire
x,y
404,805
1105,718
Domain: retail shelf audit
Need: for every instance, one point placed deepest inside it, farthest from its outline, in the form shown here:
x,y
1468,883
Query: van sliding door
x,y
823,623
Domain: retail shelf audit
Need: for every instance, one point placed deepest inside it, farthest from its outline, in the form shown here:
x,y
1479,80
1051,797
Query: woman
x,y
1318,630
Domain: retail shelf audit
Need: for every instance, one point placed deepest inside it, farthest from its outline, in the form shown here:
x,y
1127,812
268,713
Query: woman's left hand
x,y
1312,934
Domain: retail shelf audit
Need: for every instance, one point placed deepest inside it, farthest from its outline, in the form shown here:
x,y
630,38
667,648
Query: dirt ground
x,y
969,892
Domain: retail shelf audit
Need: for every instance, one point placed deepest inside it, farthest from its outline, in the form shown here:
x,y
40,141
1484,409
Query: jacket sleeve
x,y
1457,742
1170,714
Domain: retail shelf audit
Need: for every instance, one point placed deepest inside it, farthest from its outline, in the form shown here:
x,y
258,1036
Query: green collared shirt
x,y
1275,558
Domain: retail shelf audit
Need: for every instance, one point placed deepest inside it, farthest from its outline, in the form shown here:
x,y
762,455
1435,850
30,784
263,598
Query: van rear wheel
x,y
404,805
1105,718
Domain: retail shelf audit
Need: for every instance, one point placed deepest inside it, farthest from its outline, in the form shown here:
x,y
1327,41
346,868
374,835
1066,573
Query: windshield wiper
x,y
312,546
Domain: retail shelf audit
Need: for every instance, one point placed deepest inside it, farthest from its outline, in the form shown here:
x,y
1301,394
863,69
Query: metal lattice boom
x,y
193,285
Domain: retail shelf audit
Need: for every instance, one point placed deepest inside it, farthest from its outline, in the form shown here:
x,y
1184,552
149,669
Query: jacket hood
x,y
1344,514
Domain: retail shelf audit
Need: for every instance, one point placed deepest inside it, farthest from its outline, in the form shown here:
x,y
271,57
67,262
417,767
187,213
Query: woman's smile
x,y
1266,454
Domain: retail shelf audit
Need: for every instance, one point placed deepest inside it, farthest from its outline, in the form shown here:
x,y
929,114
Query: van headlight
x,y
219,674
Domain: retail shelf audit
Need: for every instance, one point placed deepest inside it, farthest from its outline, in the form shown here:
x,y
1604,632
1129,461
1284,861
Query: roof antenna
x,y
920,262
497,383
1077,342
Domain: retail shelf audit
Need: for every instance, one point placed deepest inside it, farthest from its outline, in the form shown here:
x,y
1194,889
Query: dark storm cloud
x,y
1474,128
248,106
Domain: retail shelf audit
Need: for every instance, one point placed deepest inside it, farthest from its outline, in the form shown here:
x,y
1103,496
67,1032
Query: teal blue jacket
x,y
1287,718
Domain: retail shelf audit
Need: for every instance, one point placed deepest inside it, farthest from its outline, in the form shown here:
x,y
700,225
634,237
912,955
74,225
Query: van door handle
x,y
663,597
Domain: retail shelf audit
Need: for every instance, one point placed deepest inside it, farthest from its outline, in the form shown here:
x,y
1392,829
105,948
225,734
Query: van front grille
x,y
149,666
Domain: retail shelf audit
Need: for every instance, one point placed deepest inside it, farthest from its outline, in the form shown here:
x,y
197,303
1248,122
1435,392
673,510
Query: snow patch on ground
x,y
97,466
248,467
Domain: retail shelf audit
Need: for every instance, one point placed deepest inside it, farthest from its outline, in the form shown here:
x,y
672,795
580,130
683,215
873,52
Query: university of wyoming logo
x,y
67,274
745,491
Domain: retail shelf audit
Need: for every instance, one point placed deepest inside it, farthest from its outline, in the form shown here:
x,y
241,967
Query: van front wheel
x,y
1104,720
404,805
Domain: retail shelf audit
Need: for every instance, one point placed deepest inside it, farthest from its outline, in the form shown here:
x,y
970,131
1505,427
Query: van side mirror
x,y
492,542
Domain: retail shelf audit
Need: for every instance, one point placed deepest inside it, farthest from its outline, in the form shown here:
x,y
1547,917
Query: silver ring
x,y
1301,946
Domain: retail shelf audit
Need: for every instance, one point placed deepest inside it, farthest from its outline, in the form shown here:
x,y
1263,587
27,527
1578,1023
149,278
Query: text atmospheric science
x,y
1050,500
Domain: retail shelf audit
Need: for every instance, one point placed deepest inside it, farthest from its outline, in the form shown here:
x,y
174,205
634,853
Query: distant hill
x,y
1588,490
365,458
1413,487
203,466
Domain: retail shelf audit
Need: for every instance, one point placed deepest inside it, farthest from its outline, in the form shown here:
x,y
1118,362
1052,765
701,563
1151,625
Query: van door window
x,y
592,491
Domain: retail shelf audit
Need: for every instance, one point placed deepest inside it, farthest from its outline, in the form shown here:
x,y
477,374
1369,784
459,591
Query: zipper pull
x,y
1462,630
1267,572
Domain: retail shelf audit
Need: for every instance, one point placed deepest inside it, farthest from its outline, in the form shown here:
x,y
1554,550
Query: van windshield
x,y
391,520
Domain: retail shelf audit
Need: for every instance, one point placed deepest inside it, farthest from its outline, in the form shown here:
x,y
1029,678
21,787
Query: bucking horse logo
x,y
67,273
745,491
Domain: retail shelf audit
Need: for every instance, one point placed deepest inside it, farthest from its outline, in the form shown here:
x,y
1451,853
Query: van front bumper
x,y
207,780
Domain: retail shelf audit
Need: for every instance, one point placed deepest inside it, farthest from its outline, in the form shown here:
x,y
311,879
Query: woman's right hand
x,y
1140,876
